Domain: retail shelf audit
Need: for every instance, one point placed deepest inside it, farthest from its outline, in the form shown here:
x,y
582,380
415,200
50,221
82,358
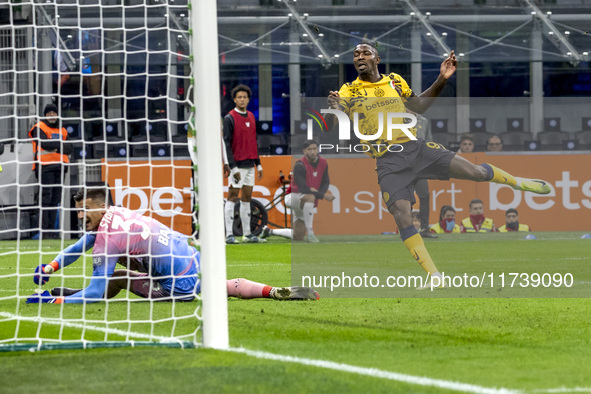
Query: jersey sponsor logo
x,y
383,103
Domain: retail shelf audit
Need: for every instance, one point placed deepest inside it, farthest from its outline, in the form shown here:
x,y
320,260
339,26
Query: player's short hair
x,y
476,201
372,43
98,194
307,143
241,88
466,136
445,209
511,210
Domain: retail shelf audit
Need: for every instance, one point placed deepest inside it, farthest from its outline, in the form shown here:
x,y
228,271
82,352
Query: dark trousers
x,y
422,189
50,194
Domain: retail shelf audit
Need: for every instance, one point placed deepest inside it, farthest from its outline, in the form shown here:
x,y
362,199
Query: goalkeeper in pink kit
x,y
160,263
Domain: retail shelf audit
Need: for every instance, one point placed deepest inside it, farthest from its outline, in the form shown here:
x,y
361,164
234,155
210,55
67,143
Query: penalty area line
x,y
375,373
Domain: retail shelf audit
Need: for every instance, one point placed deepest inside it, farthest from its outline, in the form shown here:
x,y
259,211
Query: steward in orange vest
x,y
48,140
51,153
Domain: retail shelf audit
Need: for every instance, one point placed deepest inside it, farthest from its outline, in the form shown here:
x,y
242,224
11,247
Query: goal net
x,y
122,78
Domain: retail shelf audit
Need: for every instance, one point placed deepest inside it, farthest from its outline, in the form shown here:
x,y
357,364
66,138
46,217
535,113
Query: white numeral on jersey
x,y
118,223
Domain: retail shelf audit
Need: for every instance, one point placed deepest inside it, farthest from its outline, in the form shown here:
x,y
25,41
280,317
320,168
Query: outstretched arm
x,y
64,258
74,251
421,103
103,268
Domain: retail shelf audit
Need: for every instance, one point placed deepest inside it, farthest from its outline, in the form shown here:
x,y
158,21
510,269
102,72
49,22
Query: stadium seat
x,y
584,139
513,140
139,146
552,124
439,126
443,138
477,125
515,124
180,148
480,139
552,140
264,143
296,143
115,146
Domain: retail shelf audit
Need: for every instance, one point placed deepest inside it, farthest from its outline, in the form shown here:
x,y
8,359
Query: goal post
x,y
208,115
132,97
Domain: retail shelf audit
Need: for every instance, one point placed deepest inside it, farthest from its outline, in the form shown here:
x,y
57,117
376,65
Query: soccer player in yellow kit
x,y
371,96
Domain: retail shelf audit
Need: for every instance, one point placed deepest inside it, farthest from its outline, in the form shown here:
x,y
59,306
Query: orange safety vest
x,y
47,157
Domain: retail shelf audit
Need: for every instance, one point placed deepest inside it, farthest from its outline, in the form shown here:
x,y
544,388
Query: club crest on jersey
x,y
315,173
247,124
379,92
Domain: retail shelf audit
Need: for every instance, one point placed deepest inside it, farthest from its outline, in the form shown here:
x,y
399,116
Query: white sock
x,y
283,232
229,217
309,217
245,217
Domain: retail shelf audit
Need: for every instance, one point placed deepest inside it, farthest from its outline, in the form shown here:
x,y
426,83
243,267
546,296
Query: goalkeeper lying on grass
x,y
161,265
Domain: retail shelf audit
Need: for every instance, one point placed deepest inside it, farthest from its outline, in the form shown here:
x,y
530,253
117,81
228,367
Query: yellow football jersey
x,y
372,101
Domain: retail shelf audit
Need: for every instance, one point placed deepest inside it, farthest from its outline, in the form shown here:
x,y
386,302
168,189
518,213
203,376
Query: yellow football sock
x,y
417,249
500,176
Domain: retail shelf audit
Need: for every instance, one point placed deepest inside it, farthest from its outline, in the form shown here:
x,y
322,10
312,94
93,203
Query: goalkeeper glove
x,y
43,298
43,271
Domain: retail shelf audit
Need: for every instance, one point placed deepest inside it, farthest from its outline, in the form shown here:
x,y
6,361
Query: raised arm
x,y
421,103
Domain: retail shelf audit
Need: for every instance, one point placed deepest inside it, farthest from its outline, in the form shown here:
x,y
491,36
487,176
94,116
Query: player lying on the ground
x,y
169,265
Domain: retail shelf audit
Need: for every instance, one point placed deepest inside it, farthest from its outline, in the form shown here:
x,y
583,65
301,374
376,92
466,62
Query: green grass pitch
x,y
533,340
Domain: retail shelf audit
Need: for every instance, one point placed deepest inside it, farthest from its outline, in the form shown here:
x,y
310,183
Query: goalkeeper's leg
x,y
247,289
461,168
63,291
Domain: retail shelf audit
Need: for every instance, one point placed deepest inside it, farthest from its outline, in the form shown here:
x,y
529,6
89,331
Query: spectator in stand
x,y
494,144
512,222
447,221
476,222
466,143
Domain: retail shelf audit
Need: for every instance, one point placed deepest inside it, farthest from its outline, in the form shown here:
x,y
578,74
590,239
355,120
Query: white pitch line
x,y
376,373
371,372
65,323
